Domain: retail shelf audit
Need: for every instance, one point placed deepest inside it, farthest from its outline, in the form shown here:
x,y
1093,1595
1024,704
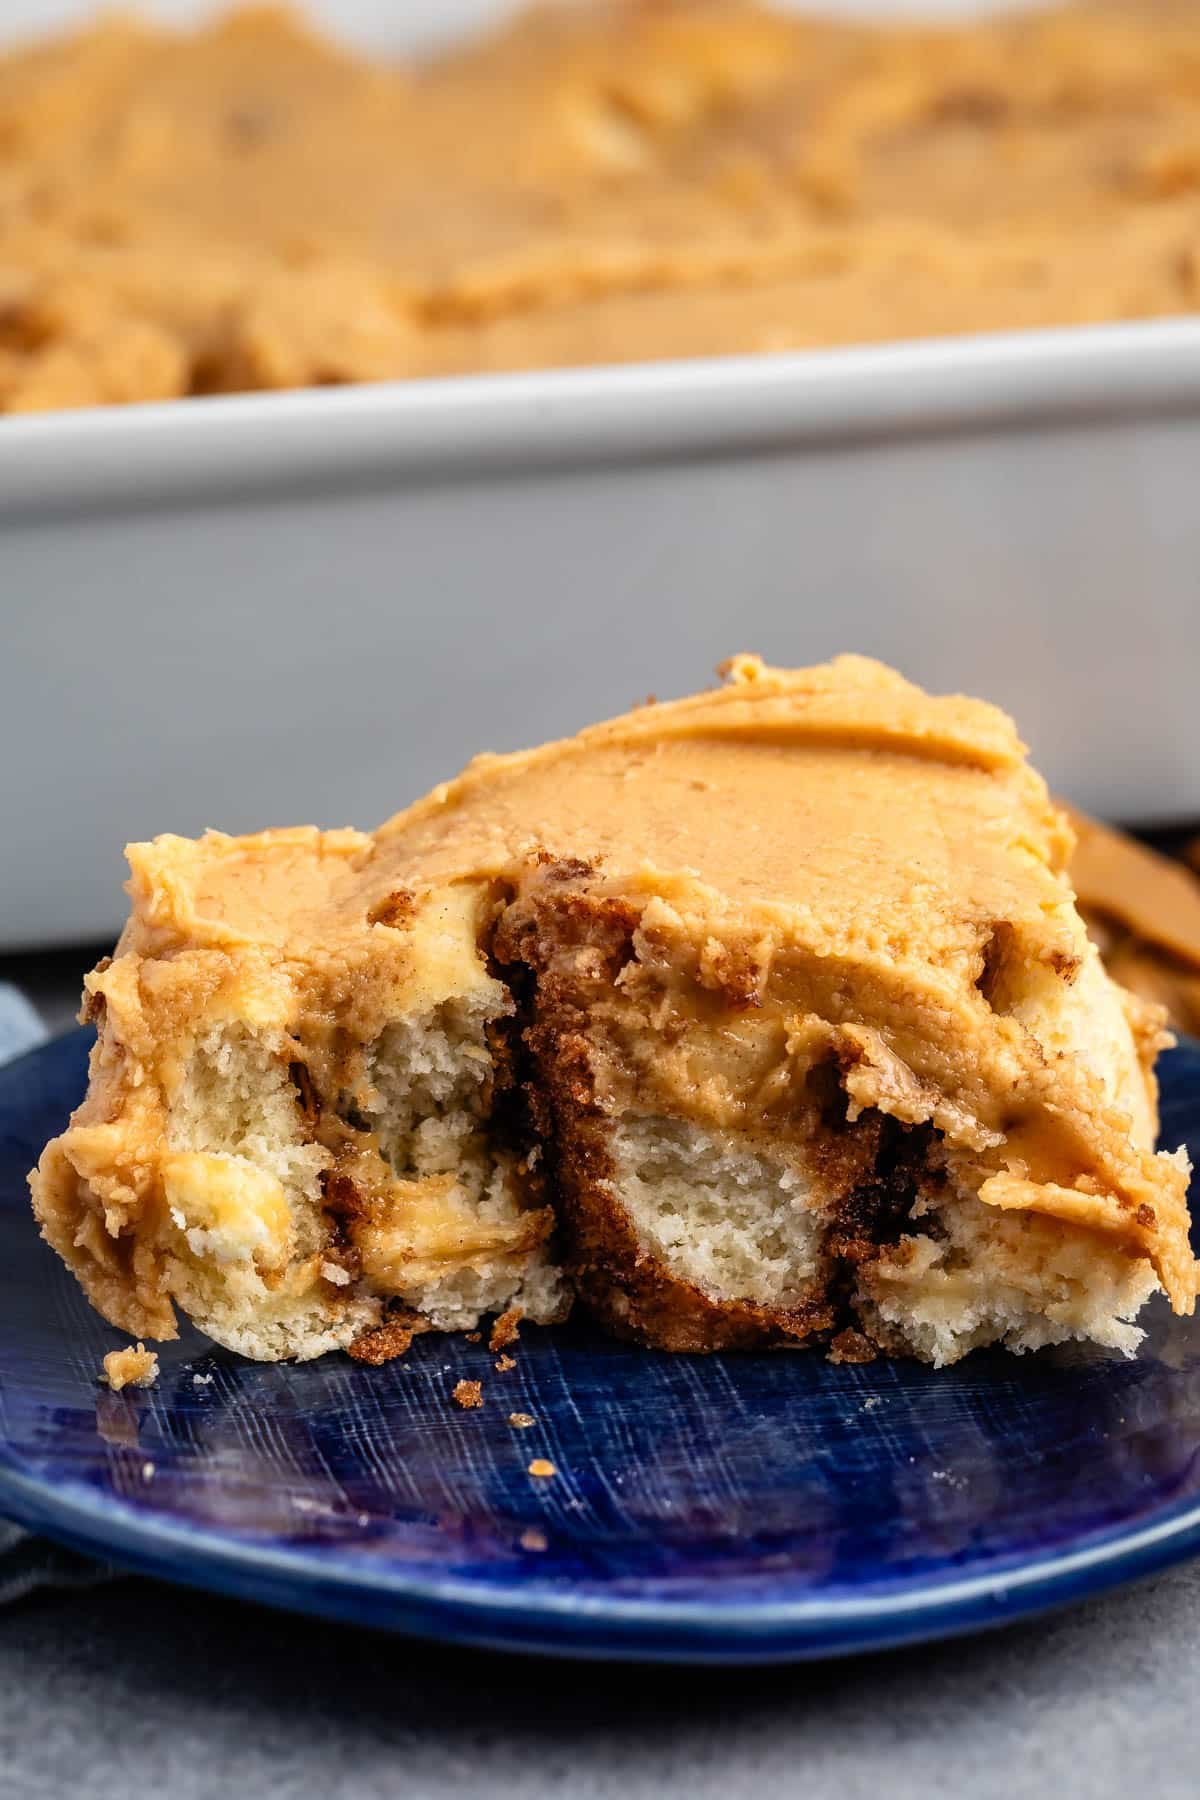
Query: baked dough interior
x,y
762,1017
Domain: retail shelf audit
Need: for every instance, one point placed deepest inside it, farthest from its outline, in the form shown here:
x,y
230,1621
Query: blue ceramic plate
x,y
732,1508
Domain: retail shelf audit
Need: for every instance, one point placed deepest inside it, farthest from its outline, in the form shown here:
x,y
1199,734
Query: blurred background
x,y
407,25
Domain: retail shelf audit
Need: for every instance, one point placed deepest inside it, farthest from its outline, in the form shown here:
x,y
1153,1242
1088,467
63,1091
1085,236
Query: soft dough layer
x,y
764,1016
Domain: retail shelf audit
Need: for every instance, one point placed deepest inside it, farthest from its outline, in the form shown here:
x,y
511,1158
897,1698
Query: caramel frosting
x,y
823,861
249,207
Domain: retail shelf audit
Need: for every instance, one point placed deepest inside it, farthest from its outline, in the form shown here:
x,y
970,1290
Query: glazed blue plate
x,y
725,1509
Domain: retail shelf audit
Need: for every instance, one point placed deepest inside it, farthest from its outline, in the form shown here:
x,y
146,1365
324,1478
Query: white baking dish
x,y
283,608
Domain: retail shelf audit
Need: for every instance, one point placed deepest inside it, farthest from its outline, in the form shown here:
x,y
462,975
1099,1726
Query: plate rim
x,y
455,1609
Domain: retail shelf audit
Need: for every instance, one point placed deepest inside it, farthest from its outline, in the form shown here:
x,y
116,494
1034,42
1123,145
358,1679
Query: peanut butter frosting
x,y
816,860
248,206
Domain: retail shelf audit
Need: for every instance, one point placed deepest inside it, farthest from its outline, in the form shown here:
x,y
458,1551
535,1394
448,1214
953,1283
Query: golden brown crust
x,y
83,1214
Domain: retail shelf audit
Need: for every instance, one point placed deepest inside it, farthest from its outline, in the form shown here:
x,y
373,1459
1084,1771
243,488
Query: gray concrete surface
x,y
136,1689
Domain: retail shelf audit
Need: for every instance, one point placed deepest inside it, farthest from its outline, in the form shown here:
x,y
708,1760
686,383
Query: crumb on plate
x,y
506,1330
851,1346
381,1343
469,1394
135,1366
